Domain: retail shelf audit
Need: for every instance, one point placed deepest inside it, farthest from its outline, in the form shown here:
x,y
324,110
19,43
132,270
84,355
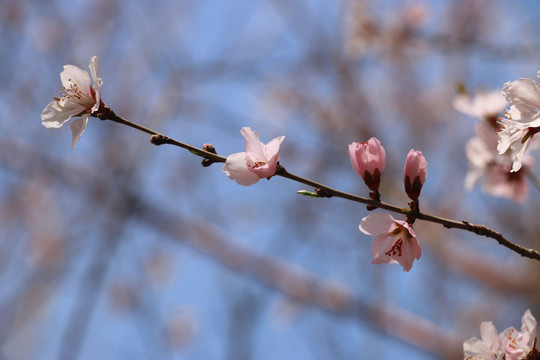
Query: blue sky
x,y
198,72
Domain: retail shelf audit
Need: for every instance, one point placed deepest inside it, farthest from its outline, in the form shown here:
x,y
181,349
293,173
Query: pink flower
x,y
519,345
522,121
415,174
79,99
368,159
395,240
259,160
486,162
489,348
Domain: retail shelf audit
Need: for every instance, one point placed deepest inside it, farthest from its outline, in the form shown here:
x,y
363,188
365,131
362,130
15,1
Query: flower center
x,y
512,340
501,123
74,93
396,249
258,164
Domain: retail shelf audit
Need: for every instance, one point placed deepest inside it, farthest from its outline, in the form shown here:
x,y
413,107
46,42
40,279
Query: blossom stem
x,y
106,113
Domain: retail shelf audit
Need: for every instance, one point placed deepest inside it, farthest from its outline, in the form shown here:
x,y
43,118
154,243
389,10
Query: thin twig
x,y
106,113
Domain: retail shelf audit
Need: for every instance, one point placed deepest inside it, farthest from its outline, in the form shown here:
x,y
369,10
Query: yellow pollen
x,y
501,124
258,164
73,93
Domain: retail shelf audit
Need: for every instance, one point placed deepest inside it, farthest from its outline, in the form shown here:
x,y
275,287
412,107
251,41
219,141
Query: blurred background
x,y
121,249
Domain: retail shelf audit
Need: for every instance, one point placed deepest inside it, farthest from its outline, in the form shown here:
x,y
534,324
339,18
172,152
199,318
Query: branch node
x,y
322,192
159,139
207,161
415,211
375,196
477,229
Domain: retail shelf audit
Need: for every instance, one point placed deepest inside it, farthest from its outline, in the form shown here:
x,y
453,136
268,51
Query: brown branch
x,y
286,278
105,113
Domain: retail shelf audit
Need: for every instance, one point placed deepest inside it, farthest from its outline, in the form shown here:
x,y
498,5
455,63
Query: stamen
x,y
512,341
502,120
501,123
258,164
396,249
75,93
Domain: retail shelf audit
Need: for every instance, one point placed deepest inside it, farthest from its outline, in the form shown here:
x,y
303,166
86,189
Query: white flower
x,y
79,98
489,348
522,121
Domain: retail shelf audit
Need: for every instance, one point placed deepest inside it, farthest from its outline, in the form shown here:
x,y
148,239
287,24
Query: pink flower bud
x,y
368,159
415,174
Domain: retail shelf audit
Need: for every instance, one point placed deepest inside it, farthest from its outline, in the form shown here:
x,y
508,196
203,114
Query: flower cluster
x,y
395,240
508,345
484,159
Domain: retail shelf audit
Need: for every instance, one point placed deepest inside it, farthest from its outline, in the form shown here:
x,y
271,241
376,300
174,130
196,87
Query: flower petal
x,y
77,128
73,75
528,330
519,148
236,169
483,105
508,136
94,71
382,243
377,223
411,250
254,147
94,68
271,151
524,94
499,182
478,153
354,158
57,113
475,347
